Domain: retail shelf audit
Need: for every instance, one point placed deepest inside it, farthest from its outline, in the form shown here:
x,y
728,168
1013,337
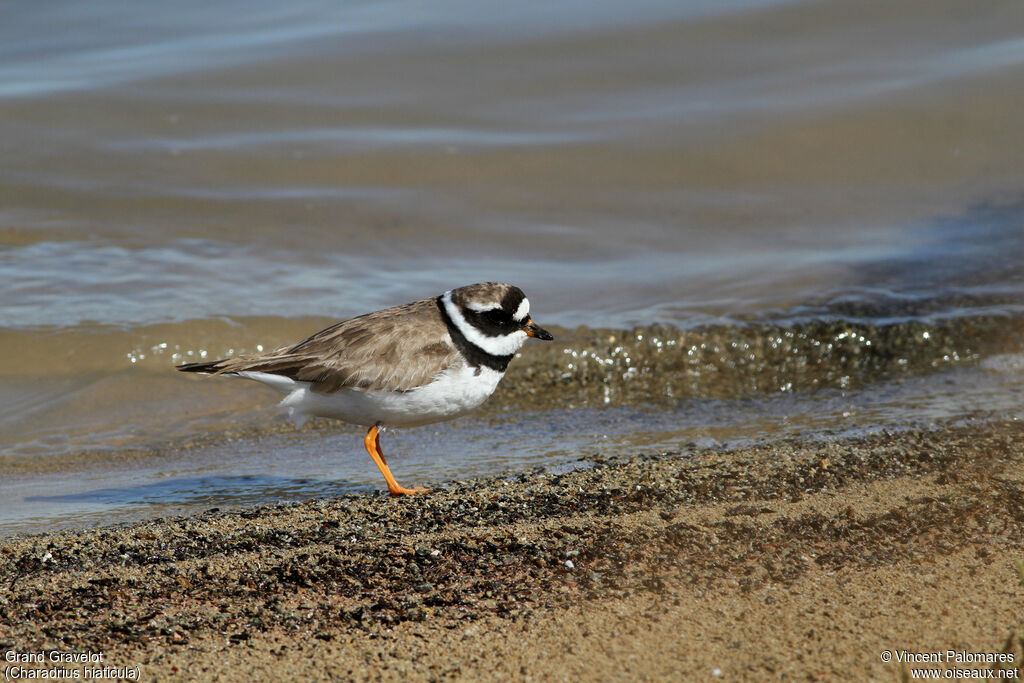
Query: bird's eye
x,y
496,316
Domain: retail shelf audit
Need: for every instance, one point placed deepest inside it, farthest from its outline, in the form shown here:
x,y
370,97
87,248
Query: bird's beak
x,y
531,329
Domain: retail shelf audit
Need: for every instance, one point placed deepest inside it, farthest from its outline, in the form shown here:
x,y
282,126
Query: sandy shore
x,y
791,561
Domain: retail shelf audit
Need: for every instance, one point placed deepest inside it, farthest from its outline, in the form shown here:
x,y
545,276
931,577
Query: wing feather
x,y
396,349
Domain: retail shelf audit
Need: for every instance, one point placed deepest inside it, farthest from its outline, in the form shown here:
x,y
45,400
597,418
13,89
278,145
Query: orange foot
x,y
402,491
372,443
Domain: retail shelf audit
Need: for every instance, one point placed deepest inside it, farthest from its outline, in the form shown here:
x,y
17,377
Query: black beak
x,y
531,329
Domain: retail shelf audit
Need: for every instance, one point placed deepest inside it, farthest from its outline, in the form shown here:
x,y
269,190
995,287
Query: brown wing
x,y
396,349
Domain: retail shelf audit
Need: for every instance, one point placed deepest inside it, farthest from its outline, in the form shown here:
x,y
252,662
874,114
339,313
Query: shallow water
x,y
254,467
759,179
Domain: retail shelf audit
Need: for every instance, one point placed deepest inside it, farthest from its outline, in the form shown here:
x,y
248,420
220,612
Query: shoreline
x,y
790,559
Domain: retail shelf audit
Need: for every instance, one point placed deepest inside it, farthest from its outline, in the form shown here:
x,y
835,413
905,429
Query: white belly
x,y
453,393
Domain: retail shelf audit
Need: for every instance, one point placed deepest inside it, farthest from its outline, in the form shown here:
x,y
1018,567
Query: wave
x,y
663,364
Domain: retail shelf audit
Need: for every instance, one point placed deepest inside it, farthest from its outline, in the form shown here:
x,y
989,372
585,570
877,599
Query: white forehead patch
x,y
523,310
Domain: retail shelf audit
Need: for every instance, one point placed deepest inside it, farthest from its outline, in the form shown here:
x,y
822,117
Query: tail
x,y
208,366
282,383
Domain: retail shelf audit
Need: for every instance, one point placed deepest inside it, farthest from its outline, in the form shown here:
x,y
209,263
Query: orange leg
x,y
372,443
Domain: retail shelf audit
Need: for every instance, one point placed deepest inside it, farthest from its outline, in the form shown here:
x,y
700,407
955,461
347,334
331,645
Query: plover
x,y
410,365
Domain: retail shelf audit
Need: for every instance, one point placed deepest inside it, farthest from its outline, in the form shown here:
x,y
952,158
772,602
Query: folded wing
x,y
397,349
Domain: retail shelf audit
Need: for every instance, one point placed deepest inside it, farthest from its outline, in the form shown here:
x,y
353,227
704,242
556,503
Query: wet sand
x,y
789,560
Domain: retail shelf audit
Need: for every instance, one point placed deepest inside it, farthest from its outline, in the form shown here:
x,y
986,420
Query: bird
x,y
416,364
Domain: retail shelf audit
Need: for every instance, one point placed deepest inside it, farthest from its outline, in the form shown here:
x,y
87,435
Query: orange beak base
x,y
532,330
